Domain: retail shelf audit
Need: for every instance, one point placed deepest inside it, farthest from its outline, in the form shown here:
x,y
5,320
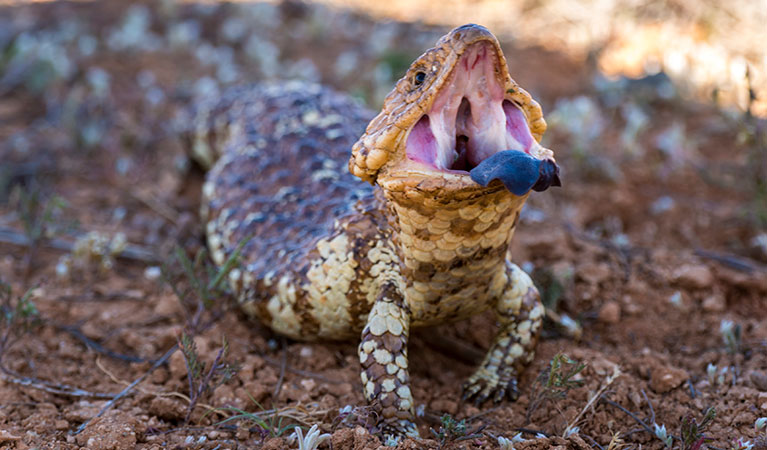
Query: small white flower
x,y
205,87
528,267
234,29
726,327
391,441
662,434
62,267
661,205
183,34
99,81
711,373
312,439
722,375
152,273
740,444
581,118
761,423
572,431
504,443
87,45
568,323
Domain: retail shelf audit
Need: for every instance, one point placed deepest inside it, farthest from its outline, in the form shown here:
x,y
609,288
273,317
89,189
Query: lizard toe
x,y
485,384
392,433
470,388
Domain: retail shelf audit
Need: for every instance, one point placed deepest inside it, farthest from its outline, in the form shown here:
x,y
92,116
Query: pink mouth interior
x,y
469,120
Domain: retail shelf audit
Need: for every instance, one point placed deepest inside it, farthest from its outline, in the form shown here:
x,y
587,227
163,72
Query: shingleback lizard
x,y
422,244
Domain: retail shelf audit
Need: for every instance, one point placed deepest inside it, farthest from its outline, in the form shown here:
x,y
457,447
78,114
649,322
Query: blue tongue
x,y
518,171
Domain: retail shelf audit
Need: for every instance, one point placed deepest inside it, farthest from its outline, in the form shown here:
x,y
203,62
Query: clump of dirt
x,y
650,258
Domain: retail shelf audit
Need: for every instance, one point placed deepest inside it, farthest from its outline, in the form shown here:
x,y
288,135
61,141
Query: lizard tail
x,y
207,125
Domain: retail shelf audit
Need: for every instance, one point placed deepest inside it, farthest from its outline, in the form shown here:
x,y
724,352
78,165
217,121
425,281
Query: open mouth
x,y
470,120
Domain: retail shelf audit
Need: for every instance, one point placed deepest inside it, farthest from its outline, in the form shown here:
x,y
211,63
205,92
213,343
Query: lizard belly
x,y
453,256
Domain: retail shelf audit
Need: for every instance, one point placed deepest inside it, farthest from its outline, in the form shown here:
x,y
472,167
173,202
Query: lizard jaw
x,y
454,109
470,119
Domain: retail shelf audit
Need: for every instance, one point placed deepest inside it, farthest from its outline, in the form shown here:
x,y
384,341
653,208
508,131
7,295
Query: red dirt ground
x,y
656,238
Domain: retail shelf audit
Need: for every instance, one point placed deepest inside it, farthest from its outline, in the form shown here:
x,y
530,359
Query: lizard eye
x,y
419,78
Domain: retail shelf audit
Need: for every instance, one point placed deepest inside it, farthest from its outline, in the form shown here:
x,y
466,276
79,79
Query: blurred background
x,y
672,91
713,48
657,114
641,97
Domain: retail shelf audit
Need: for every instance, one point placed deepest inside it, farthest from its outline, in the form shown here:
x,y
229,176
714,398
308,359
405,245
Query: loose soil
x,y
656,240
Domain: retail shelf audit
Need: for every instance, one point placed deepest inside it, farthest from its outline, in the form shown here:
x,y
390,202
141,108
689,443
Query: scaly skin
x,y
333,258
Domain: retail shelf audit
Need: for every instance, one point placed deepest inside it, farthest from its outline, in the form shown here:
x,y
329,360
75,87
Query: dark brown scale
x,y
282,178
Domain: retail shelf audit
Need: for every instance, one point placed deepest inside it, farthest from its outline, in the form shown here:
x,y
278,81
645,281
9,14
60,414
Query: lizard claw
x,y
393,432
484,384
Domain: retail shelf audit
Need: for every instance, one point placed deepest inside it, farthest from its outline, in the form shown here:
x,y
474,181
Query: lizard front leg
x,y
520,313
383,356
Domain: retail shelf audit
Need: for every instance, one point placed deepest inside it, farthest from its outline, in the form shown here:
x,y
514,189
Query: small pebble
x,y
610,313
444,406
594,273
308,384
760,382
692,276
242,434
714,303
665,379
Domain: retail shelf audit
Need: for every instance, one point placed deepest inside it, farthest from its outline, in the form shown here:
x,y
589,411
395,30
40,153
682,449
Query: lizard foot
x,y
486,383
394,432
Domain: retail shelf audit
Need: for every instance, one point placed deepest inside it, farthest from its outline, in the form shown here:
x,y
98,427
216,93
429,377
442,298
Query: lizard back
x,y
279,180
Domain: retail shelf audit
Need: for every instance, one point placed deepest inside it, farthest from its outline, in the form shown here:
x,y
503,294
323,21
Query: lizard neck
x,y
453,249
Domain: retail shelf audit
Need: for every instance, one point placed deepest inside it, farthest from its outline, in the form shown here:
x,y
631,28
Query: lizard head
x,y
455,122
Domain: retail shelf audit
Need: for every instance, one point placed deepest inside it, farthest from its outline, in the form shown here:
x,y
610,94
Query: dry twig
x,y
131,252
128,389
303,373
157,205
283,365
52,388
98,348
608,381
